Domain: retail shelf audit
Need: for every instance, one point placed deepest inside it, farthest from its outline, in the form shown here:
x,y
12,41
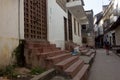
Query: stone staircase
x,y
36,52
87,52
74,68
68,65
87,55
46,55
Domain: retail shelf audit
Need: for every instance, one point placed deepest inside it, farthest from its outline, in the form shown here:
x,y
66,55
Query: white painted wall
x,y
9,28
56,24
101,27
77,38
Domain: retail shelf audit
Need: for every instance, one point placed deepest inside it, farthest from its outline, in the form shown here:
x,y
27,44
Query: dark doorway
x,y
114,40
70,26
65,28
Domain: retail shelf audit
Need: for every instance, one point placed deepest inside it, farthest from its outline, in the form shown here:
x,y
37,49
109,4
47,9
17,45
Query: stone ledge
x,y
45,76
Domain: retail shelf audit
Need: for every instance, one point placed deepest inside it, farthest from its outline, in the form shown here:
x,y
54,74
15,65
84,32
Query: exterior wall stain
x,y
9,25
7,46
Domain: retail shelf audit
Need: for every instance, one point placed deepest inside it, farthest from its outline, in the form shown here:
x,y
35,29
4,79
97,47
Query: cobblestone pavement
x,y
105,67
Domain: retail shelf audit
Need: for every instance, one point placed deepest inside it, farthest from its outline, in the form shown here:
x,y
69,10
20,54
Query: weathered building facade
x,y
110,23
99,32
11,28
42,24
110,16
90,31
70,15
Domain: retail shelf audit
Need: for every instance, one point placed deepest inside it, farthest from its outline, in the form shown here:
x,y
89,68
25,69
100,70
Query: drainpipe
x,y
19,20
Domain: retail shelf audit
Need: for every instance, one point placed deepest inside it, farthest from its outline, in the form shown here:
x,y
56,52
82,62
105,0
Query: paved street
x,y
105,67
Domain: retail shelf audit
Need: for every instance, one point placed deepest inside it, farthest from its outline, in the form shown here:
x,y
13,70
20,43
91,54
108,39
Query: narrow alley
x,y
56,39
105,67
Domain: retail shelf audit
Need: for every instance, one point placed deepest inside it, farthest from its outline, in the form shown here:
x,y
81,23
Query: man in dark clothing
x,y
107,47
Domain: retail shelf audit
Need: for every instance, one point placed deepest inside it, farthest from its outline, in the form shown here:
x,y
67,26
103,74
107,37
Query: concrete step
x,y
48,49
66,63
74,68
53,45
93,50
33,44
58,58
36,45
92,59
52,53
89,53
93,55
84,51
38,51
82,48
81,73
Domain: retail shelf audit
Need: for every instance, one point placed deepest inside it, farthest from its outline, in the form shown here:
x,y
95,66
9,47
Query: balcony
x,y
116,12
62,4
107,24
114,25
113,19
76,8
84,20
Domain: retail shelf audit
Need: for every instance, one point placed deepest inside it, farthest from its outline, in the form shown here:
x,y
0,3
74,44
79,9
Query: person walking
x,y
107,47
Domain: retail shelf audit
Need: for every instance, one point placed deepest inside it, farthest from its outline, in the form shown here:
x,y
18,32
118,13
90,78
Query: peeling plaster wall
x,y
7,46
9,33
